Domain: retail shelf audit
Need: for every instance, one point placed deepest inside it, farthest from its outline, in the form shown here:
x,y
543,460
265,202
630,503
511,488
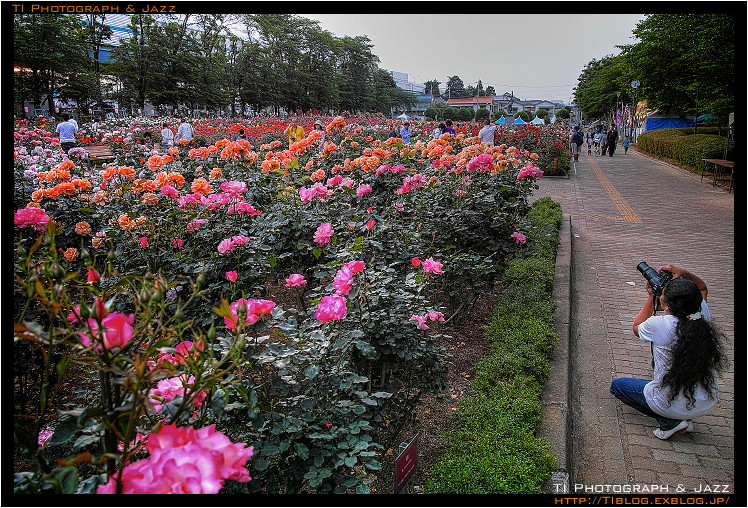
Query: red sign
x,y
406,463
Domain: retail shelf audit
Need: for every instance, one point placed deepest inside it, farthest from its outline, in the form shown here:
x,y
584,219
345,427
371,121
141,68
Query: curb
x,y
555,425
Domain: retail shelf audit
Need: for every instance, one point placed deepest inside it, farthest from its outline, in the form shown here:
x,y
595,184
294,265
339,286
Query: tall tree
x,y
684,58
47,49
432,88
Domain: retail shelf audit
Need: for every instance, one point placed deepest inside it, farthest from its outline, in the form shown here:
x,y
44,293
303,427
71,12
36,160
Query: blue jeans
x,y
630,391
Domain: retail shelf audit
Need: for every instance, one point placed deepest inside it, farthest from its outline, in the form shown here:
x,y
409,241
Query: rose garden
x,y
247,316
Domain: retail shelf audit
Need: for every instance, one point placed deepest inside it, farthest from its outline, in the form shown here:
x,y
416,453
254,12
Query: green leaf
x,y
311,371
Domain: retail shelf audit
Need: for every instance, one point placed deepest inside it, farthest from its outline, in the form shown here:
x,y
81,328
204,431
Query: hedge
x,y
686,147
494,449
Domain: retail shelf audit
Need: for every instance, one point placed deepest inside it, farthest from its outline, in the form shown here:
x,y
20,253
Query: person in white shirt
x,y
167,137
184,132
687,354
66,129
487,132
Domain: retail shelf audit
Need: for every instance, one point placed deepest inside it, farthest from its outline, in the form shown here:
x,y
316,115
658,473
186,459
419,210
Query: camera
x,y
657,280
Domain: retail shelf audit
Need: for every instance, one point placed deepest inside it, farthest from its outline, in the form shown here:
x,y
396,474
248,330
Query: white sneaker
x,y
666,434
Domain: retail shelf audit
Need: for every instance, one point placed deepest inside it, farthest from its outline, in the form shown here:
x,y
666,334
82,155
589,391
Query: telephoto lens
x,y
651,275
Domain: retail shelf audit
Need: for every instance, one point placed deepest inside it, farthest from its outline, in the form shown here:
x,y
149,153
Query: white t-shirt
x,y
184,132
66,130
660,330
167,137
486,134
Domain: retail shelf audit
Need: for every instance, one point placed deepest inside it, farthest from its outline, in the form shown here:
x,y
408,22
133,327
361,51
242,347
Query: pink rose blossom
x,y
143,241
324,233
31,218
195,224
370,223
234,188
253,309
184,461
225,246
295,280
519,238
167,389
363,190
415,262
232,275
177,243
92,276
432,266
240,240
118,330
331,308
169,191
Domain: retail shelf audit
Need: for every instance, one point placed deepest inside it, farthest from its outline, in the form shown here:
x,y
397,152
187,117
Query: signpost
x,y
406,462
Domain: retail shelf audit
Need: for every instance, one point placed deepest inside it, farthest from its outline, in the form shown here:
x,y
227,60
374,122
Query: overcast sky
x,y
536,56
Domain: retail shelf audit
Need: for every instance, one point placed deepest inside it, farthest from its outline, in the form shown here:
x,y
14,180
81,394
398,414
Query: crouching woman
x,y
687,356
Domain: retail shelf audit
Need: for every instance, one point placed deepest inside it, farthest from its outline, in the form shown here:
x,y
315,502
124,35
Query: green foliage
x,y
494,449
686,147
481,114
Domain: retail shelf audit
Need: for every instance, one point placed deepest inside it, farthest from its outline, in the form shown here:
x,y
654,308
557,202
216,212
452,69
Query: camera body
x,y
657,280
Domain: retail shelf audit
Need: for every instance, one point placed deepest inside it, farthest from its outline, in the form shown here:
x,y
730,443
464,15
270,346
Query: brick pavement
x,y
623,210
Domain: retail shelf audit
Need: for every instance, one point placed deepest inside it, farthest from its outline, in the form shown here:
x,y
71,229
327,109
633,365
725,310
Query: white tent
x,y
537,121
403,117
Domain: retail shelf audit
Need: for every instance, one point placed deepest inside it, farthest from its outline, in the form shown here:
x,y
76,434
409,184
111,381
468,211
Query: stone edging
x,y
555,424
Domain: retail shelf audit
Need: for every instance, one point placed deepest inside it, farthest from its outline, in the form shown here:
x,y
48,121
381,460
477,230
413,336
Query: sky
x,y
535,56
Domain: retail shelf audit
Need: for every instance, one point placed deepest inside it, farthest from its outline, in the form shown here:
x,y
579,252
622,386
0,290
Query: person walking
x,y
405,133
317,127
66,130
438,131
687,352
626,143
590,140
184,132
294,132
611,140
448,129
167,136
575,141
487,132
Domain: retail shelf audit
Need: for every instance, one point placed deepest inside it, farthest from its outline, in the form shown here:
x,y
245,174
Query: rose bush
x,y
314,383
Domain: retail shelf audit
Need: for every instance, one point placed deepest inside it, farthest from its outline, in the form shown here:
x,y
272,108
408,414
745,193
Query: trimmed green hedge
x,y
685,147
494,449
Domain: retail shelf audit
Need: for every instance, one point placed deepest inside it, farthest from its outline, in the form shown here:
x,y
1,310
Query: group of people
x,y
599,141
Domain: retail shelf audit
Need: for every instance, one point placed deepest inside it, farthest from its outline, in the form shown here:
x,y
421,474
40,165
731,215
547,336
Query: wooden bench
x,y
718,164
98,154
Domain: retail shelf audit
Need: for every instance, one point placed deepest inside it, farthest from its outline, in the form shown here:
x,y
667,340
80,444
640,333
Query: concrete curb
x,y
555,423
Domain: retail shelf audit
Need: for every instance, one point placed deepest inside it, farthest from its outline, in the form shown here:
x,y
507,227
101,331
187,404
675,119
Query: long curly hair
x,y
697,354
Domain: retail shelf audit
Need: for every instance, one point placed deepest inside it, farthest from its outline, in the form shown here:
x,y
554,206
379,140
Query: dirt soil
x,y
466,346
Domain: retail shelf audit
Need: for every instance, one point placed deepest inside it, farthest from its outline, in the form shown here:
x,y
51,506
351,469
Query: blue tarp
x,y
667,123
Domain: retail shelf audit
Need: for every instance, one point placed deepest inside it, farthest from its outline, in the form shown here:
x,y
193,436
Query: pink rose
x,y
234,188
331,308
519,238
118,330
225,246
92,276
324,233
177,243
432,266
370,223
31,218
184,461
295,280
232,275
167,389
363,190
169,191
143,241
253,309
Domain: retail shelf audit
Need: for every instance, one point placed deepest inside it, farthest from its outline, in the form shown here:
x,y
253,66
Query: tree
x,y
46,50
599,84
456,88
481,114
490,91
563,113
680,56
432,88
541,113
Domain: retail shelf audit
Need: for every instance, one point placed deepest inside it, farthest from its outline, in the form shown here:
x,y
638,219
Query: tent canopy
x,y
537,121
705,117
519,121
501,120
403,117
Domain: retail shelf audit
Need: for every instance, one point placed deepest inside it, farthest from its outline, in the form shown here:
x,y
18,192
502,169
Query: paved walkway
x,y
623,210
